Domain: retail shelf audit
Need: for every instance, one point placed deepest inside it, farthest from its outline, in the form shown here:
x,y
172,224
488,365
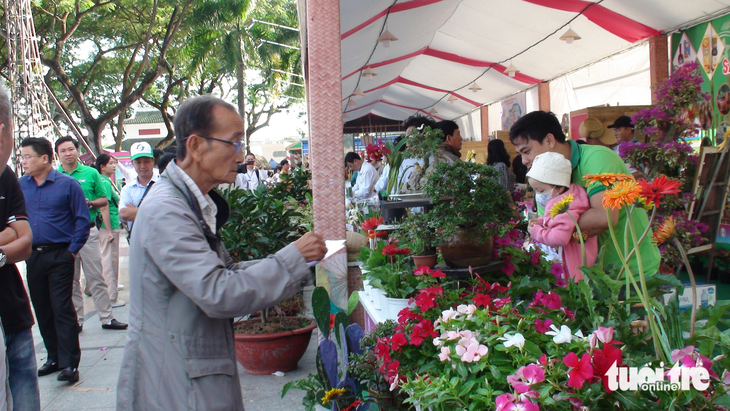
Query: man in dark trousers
x,y
59,218
15,242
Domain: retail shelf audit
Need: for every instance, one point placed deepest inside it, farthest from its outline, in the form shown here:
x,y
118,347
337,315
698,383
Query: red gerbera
x,y
421,271
371,223
657,189
390,250
375,234
581,370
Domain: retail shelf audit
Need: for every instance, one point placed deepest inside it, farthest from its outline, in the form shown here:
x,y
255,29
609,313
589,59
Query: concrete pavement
x,y
101,356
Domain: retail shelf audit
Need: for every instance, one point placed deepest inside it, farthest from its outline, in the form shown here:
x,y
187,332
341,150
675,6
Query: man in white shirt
x,y
252,177
367,176
132,193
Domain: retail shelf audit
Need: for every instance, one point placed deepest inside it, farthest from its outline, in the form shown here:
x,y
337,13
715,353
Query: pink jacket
x,y
558,232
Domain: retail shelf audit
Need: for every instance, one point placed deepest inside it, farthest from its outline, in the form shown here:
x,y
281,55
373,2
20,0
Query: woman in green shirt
x,y
107,166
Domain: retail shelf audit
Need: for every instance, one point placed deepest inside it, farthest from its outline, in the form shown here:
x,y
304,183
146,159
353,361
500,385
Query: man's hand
x,y
311,246
109,236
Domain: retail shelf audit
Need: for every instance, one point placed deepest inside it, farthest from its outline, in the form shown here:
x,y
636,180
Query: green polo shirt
x,y
590,159
113,198
90,181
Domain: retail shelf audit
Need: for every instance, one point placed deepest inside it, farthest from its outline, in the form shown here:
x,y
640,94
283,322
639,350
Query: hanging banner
x,y
706,44
512,109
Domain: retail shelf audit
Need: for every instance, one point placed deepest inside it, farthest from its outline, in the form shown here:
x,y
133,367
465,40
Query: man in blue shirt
x,y
59,219
133,193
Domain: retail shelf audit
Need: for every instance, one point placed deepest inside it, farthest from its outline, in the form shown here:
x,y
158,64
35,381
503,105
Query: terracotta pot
x,y
261,354
460,251
425,260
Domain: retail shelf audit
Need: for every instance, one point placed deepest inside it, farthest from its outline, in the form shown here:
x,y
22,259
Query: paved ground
x,y
101,355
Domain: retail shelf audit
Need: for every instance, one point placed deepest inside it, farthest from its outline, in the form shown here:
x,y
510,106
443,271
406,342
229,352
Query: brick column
x,y
484,110
325,117
543,96
658,61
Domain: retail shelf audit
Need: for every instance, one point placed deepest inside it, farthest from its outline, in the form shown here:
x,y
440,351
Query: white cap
x,y
551,168
142,149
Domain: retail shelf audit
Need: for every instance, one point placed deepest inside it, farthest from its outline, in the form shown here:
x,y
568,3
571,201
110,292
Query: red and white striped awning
x,y
445,46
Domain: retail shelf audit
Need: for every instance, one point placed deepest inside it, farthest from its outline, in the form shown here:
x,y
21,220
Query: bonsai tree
x,y
469,200
419,233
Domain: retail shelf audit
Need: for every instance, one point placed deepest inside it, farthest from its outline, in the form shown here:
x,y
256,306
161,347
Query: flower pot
x,y
375,295
460,251
395,305
425,260
367,290
262,354
384,306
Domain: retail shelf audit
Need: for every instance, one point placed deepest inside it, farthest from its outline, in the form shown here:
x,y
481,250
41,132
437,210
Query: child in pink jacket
x,y
550,177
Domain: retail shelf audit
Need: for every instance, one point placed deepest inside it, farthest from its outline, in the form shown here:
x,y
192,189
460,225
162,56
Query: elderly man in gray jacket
x,y
184,288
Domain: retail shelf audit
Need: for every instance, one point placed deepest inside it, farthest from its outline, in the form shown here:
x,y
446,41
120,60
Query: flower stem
x,y
693,318
583,257
643,235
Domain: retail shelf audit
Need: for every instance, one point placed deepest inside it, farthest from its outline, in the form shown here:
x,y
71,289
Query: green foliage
x,y
260,223
311,386
467,196
422,143
321,308
419,232
294,185
392,274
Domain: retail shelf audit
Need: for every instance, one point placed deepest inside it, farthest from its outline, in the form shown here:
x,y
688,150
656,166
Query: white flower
x,y
562,336
446,315
517,340
578,336
469,310
452,335
438,342
445,353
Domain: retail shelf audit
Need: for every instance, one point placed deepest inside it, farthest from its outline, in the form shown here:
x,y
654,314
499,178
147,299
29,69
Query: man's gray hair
x,y
6,106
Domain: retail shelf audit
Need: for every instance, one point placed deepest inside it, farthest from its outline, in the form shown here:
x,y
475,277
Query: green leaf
x,y
723,401
340,318
352,302
321,309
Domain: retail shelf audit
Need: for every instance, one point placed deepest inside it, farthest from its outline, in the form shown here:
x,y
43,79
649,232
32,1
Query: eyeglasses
x,y
27,157
236,146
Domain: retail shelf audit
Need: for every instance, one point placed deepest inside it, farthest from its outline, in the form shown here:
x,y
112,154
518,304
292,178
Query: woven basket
x,y
355,241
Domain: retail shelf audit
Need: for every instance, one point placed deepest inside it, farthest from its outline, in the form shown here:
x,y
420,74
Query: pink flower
x,y
500,302
508,269
604,335
470,350
445,353
552,301
469,310
557,270
542,326
525,377
446,315
438,274
421,271
504,400
535,257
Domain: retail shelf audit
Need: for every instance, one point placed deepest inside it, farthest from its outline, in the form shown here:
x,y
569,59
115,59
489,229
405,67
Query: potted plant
x,y
470,207
388,271
262,222
416,231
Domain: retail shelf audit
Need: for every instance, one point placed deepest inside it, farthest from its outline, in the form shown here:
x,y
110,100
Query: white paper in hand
x,y
333,246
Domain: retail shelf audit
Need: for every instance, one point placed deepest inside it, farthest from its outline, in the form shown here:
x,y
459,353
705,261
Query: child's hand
x,y
532,222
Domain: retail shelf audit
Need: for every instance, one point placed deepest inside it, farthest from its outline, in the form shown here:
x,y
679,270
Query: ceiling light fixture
x,y
474,87
432,111
345,115
358,93
451,98
387,37
351,103
368,73
570,36
511,70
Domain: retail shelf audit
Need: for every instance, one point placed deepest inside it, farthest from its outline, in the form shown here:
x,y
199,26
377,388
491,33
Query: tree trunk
x,y
240,78
120,133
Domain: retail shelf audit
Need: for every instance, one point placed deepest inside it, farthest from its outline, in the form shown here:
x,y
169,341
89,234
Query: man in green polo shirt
x,y
90,254
539,132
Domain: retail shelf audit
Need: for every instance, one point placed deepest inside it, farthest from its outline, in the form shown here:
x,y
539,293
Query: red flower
x,y
375,234
482,300
407,315
426,298
581,370
403,251
382,350
535,257
568,313
438,274
603,360
390,250
657,189
397,341
542,326
508,268
424,329
421,271
371,223
392,369
552,301
332,321
353,406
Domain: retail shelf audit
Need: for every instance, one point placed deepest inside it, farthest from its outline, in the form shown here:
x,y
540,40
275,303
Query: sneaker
x,y
120,286
118,303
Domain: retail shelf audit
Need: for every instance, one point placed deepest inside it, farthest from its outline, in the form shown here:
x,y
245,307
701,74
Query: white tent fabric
x,y
623,79
444,46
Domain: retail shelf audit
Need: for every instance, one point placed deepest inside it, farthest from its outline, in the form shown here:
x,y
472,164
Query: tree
x,y
103,55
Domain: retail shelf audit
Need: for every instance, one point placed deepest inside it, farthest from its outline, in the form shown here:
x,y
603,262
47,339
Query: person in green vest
x,y
107,167
90,254
539,132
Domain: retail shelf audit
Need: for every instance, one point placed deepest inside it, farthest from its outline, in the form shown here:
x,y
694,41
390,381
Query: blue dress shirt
x,y
57,210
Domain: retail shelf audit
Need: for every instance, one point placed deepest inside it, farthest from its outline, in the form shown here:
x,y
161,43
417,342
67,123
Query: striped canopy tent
x,y
445,58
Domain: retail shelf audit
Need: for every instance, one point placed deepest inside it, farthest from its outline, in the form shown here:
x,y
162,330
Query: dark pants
x,y
23,376
50,281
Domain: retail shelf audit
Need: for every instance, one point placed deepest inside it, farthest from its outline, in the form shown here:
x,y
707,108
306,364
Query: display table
x,y
405,202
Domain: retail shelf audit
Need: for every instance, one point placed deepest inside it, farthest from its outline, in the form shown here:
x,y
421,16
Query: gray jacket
x,y
179,352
